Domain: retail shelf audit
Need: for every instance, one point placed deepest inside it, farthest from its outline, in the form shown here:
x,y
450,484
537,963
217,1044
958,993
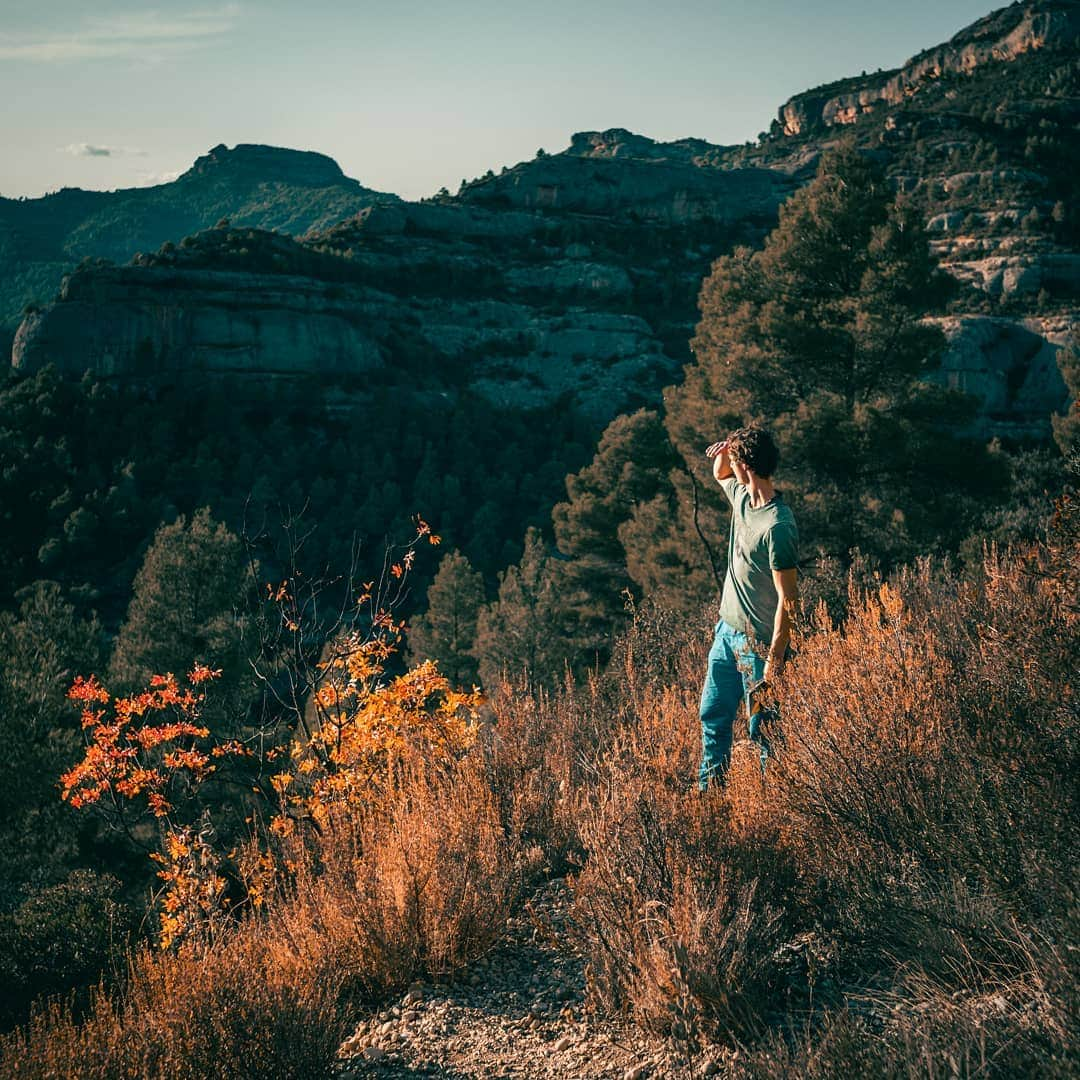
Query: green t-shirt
x,y
762,540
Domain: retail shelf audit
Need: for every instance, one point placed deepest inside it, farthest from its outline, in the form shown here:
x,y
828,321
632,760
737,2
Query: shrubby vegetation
x,y
895,895
137,526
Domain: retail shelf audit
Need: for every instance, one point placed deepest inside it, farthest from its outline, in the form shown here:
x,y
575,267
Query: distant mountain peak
x,y
302,167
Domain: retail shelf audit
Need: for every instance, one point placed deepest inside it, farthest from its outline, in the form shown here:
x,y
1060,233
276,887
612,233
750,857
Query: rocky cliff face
x,y
263,186
669,190
1011,364
298,168
979,134
567,278
574,276
521,307
151,321
1000,37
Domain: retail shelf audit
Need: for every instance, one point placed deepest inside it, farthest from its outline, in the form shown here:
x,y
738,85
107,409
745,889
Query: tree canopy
x,y
446,632
822,337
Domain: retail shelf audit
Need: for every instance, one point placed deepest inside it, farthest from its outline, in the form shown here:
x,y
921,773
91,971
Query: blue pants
x,y
732,669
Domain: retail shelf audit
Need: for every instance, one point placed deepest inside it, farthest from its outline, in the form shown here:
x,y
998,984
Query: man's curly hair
x,y
753,446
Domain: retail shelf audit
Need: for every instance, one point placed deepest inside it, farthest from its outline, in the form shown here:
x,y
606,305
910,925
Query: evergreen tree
x,y
1067,427
674,545
630,467
42,648
519,633
821,337
186,607
446,633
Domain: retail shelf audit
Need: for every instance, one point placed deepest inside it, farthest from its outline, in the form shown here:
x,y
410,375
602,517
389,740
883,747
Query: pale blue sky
x,y
408,96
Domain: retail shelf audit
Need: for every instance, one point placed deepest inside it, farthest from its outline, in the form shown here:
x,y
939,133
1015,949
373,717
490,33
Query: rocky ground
x,y
520,1012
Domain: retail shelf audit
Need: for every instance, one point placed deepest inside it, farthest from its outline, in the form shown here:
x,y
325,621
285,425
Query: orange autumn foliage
x,y
127,757
143,747
367,725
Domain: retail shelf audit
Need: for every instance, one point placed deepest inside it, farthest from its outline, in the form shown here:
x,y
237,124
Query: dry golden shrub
x,y
926,763
681,926
680,918
547,745
536,744
916,832
421,884
248,1007
1022,1028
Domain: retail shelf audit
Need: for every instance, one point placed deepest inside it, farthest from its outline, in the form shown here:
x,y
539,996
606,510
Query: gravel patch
x,y
518,1012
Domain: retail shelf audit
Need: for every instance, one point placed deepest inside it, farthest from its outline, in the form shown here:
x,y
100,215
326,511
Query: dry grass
x,y
420,885
897,896
248,1008
901,886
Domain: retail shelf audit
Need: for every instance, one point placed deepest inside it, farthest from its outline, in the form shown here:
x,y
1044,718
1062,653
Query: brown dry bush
x,y
927,773
420,884
1023,1028
680,923
248,1007
916,831
547,745
679,917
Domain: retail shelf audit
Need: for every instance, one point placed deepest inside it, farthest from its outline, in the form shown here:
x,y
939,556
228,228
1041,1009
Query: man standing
x,y
751,638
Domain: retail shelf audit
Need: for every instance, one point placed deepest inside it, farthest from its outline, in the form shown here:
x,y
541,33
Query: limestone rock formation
x,y
148,321
300,168
1011,366
573,277
667,190
246,301
566,278
1003,35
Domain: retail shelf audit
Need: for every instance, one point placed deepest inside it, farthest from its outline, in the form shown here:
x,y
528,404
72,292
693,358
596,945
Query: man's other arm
x,y
787,594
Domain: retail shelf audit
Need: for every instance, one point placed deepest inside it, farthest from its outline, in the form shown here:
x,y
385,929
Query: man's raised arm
x,y
721,461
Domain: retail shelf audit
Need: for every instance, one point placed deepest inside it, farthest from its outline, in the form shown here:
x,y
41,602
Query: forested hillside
x,y
42,239
352,584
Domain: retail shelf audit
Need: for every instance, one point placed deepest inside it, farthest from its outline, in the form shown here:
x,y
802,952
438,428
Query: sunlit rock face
x,y
573,278
1010,365
1001,36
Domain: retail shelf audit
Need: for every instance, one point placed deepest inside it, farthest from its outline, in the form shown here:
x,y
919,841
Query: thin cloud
x,y
153,179
112,36
90,150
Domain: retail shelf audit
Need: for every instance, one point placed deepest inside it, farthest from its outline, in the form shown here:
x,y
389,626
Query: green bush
x,y
61,939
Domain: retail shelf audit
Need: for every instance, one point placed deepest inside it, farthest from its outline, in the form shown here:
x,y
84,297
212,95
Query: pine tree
x,y
186,607
519,634
446,633
42,647
630,467
675,544
821,337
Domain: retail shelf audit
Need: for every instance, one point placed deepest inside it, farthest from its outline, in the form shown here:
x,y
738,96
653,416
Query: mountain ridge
x,y
272,187
568,272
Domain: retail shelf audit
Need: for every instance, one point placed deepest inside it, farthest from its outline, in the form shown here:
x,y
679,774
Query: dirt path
x,y
517,1013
